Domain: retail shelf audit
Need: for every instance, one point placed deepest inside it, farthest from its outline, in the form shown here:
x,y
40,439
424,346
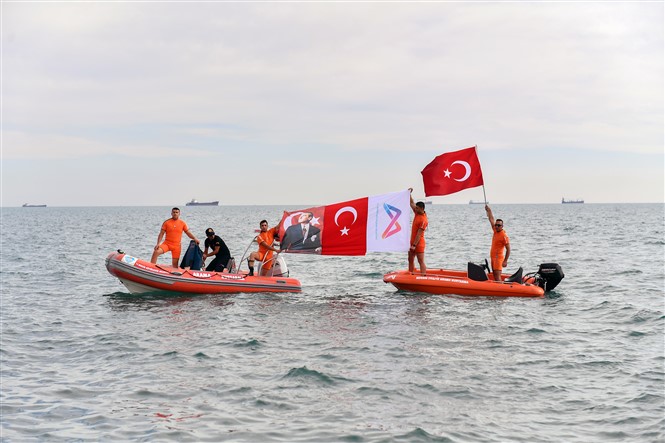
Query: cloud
x,y
347,80
26,146
298,164
361,76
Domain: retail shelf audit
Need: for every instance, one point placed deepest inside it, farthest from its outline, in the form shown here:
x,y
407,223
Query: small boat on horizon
x,y
564,201
25,205
478,202
195,202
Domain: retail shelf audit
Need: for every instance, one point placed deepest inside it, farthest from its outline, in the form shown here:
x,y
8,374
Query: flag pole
x,y
484,195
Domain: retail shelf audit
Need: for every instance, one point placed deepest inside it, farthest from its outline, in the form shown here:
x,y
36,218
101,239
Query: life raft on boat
x,y
140,277
478,281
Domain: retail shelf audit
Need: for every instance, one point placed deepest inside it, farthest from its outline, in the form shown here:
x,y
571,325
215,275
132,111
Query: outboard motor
x,y
279,268
550,275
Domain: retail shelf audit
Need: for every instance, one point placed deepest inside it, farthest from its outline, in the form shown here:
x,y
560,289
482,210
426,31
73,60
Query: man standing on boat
x,y
265,239
418,227
500,242
173,229
217,248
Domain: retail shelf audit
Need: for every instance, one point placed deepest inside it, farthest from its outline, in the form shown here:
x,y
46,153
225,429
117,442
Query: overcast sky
x,y
313,103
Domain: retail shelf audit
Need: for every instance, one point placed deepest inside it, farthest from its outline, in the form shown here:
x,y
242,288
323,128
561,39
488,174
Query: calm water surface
x,y
348,360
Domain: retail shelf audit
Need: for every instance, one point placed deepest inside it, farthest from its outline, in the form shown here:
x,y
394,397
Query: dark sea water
x,y
349,359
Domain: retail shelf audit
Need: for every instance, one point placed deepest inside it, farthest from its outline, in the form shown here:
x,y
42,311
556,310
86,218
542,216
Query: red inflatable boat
x,y
140,277
477,281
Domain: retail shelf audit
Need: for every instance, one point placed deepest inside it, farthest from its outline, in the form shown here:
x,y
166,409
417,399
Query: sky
x,y
310,103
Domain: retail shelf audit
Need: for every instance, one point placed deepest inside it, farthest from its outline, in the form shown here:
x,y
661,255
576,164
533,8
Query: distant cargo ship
x,y
564,201
195,202
478,202
25,205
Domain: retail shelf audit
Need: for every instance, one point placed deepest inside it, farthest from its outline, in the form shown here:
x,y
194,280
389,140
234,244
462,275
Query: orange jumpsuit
x,y
498,251
266,254
174,230
419,222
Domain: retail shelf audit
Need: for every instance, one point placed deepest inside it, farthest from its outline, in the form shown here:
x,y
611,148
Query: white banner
x,y
388,227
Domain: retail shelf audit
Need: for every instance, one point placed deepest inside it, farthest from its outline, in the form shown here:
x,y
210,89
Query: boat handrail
x,y
244,254
263,262
272,268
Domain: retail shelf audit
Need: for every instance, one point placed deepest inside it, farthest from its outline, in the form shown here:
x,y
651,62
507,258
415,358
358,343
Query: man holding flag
x,y
418,227
500,243
454,171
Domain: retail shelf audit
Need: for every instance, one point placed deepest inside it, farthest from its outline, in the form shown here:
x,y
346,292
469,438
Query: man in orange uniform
x,y
265,239
418,228
500,241
173,229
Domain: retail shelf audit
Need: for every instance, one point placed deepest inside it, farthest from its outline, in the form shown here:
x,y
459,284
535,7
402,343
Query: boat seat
x,y
476,272
516,277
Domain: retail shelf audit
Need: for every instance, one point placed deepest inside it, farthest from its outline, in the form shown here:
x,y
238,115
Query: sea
x,y
350,359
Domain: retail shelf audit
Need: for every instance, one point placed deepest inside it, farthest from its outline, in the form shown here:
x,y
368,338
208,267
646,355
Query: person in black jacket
x,y
217,248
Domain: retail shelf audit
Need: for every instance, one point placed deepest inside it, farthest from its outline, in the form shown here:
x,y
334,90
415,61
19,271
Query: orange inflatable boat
x,y
140,276
477,281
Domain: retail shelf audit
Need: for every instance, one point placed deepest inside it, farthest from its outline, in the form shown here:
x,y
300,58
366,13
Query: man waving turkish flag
x,y
452,172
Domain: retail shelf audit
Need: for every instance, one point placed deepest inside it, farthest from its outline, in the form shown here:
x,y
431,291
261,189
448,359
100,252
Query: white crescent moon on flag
x,y
350,209
466,166
290,218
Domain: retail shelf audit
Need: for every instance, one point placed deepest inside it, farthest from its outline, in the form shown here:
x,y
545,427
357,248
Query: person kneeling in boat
x,y
500,241
217,248
265,239
418,227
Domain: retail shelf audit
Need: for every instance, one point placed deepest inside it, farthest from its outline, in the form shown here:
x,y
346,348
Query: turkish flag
x,y
452,172
345,230
378,223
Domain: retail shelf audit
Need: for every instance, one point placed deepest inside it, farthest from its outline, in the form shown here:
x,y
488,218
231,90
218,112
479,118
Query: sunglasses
x,y
498,225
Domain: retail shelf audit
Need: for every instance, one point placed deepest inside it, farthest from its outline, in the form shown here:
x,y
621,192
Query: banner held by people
x,y
452,172
370,224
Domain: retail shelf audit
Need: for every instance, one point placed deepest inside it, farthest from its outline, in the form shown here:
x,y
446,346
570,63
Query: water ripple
x,y
348,359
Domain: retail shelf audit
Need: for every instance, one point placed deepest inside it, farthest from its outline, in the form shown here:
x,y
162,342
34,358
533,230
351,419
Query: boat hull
x,y
445,281
141,277
215,203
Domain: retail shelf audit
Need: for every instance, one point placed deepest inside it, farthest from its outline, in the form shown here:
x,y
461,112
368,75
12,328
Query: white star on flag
x,y
344,231
447,173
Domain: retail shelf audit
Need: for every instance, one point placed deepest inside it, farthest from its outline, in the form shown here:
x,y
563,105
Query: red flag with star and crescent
x,y
377,223
452,172
347,234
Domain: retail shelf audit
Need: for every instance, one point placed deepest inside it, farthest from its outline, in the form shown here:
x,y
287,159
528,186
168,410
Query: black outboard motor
x,y
551,274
